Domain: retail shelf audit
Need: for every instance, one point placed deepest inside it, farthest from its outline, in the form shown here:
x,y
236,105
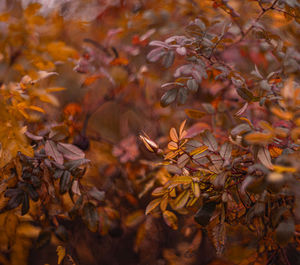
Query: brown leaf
x,y
197,129
265,157
183,160
70,151
210,141
194,114
225,151
51,150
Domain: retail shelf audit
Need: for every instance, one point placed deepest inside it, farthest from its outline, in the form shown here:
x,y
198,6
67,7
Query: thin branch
x,y
285,12
263,11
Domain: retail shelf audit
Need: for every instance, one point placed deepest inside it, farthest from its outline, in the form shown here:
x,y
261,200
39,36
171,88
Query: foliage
x,y
241,167
80,81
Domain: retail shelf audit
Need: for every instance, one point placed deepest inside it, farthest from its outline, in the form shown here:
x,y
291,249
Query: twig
x,y
263,11
284,12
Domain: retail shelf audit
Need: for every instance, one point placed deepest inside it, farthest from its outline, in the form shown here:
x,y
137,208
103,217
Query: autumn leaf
x,y
52,151
264,157
152,205
61,253
170,219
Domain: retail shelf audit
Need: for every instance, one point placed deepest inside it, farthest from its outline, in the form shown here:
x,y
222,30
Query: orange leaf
x,y
173,135
119,61
152,205
285,115
91,79
170,219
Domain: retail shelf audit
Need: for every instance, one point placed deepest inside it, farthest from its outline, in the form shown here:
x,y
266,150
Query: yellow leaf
x,y
182,199
54,89
281,169
60,51
199,150
196,189
61,252
173,193
36,108
181,180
